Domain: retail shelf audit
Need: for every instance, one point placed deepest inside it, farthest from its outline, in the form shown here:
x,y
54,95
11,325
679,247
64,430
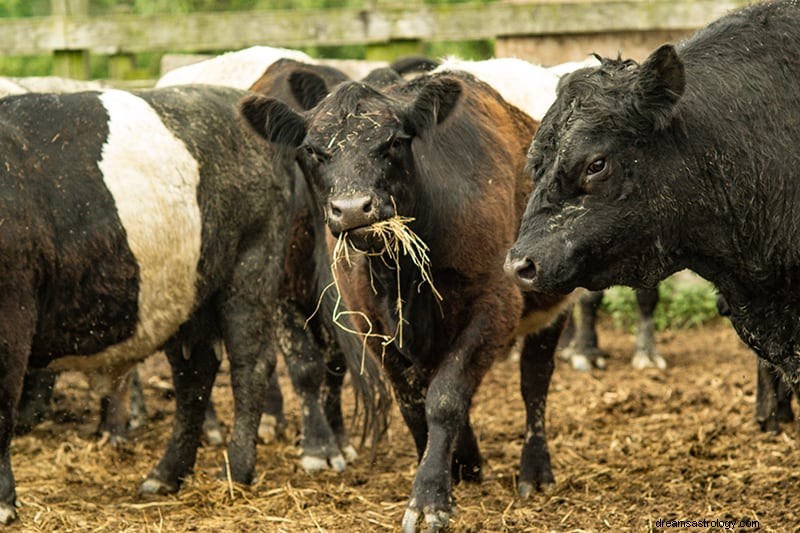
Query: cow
x,y
132,222
687,160
447,152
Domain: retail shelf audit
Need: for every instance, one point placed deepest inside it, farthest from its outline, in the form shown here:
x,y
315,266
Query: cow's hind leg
x,y
273,420
336,368
467,464
536,370
34,404
307,369
193,377
646,354
18,312
583,352
773,398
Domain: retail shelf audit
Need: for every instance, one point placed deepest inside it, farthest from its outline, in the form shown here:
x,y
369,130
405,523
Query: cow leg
x,y
773,398
583,351
447,404
34,405
306,366
16,333
409,391
212,430
138,407
114,387
536,370
336,367
467,464
192,377
273,421
249,318
646,355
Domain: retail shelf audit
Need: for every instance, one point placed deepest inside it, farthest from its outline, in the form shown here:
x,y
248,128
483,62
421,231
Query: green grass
x,y
681,305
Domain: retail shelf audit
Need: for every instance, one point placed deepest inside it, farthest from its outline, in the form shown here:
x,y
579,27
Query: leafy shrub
x,y
682,304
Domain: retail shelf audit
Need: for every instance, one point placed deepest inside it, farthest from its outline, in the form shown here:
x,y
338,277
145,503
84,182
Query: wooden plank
x,y
232,30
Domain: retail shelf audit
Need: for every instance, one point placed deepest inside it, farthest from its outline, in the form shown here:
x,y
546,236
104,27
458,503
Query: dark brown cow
x,y
447,151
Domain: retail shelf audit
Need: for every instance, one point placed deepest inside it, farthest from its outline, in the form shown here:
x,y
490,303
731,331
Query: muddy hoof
x,y
155,487
8,513
642,360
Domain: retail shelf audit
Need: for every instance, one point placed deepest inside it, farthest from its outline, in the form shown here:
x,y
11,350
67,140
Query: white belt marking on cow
x,y
153,179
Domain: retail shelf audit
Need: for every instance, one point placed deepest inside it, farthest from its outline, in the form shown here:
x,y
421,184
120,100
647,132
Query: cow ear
x,y
660,84
273,120
308,88
435,102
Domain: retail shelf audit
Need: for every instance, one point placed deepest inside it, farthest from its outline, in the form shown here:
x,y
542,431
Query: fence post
x,y
70,63
394,49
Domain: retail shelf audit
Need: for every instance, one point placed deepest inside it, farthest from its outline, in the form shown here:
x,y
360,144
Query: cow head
x,y
598,211
355,147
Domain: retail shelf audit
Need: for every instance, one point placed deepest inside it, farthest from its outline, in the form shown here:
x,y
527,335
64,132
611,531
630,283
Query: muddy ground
x,y
629,449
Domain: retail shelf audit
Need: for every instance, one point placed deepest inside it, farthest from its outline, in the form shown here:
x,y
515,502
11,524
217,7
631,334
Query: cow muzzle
x,y
522,270
347,213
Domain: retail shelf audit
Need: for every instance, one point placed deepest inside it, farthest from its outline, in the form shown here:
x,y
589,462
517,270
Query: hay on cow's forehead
x,y
398,240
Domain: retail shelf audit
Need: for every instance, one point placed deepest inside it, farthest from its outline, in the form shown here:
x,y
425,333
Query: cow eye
x,y
596,167
311,153
397,144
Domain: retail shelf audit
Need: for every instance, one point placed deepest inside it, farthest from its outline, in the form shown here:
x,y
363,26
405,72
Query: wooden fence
x,y
70,34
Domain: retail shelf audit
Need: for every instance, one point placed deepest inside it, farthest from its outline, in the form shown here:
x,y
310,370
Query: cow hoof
x,y
580,362
8,513
410,520
213,437
269,429
642,360
314,463
155,487
526,488
350,453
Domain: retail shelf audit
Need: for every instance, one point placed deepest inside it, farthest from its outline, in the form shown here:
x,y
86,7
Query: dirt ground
x,y
629,449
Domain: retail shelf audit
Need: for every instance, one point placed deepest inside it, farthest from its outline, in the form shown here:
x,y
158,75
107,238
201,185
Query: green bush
x,y
681,305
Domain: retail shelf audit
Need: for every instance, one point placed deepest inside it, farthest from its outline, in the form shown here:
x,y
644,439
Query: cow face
x,y
597,213
355,147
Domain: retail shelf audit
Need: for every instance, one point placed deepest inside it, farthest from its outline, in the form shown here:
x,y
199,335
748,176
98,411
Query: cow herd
x,y
408,227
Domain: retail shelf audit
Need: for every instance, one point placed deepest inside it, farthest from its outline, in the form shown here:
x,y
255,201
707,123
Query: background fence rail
x,y
71,33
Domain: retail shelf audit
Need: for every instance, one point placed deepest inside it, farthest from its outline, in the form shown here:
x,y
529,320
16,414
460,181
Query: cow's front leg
x,y
193,374
536,370
447,404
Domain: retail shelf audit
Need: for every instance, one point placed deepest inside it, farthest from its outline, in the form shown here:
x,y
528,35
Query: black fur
x,y
704,178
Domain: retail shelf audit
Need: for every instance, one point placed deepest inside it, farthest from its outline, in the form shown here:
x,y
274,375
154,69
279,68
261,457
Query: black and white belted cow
x,y
132,222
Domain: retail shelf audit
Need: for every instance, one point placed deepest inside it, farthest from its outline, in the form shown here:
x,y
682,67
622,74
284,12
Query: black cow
x,y
689,160
449,152
134,222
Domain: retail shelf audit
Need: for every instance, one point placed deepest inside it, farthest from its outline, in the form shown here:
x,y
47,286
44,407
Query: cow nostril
x,y
367,207
335,211
526,270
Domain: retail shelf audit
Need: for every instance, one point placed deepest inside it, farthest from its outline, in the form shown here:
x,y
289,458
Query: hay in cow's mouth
x,y
398,240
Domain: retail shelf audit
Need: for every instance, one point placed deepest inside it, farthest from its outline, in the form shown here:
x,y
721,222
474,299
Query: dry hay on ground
x,y
629,448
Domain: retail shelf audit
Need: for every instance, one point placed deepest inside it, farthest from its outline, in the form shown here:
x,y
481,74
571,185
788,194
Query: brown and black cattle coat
x,y
449,152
